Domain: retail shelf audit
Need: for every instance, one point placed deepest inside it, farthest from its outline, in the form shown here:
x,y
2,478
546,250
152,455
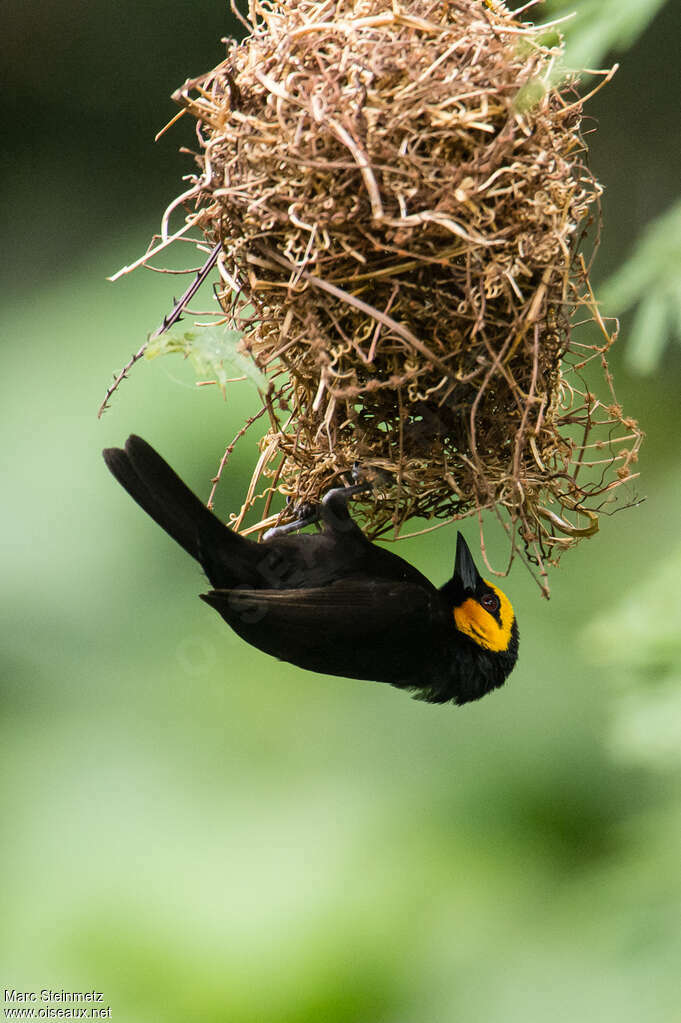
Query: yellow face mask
x,y
487,620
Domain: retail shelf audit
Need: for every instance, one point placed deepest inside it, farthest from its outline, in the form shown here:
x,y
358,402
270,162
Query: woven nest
x,y
400,194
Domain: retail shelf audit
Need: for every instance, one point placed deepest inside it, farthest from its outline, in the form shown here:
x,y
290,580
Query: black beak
x,y
465,571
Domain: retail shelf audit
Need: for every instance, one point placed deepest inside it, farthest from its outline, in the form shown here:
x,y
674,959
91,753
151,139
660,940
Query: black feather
x,y
330,601
224,555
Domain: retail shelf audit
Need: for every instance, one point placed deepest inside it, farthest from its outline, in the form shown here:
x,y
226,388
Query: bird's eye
x,y
490,602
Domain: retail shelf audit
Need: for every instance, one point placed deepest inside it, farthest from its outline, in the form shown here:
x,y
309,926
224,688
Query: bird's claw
x,y
307,513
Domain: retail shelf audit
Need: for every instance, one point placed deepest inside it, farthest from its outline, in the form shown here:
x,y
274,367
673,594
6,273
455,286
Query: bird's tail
x,y
157,489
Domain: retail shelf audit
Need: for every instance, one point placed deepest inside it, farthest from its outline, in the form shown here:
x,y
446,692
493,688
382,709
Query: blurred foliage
x,y
597,29
203,833
639,642
650,280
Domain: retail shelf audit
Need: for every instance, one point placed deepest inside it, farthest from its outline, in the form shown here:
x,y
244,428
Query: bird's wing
x,y
354,605
360,628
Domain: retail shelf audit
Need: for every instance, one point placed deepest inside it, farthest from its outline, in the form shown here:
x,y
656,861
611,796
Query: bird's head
x,y
486,627
481,610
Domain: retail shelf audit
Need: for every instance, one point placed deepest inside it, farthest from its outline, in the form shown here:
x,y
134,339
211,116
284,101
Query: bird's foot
x,y
335,499
307,514
344,493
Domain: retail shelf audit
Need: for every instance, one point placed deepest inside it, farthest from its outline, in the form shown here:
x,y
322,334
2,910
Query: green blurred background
x,y
200,832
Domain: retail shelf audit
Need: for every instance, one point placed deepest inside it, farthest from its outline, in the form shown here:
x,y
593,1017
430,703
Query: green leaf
x,y
651,279
212,349
649,333
601,27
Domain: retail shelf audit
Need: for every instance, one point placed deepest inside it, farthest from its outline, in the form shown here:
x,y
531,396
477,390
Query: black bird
x,y
332,601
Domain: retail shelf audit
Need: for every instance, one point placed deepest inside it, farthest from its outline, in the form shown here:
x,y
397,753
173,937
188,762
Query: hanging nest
x,y
400,196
